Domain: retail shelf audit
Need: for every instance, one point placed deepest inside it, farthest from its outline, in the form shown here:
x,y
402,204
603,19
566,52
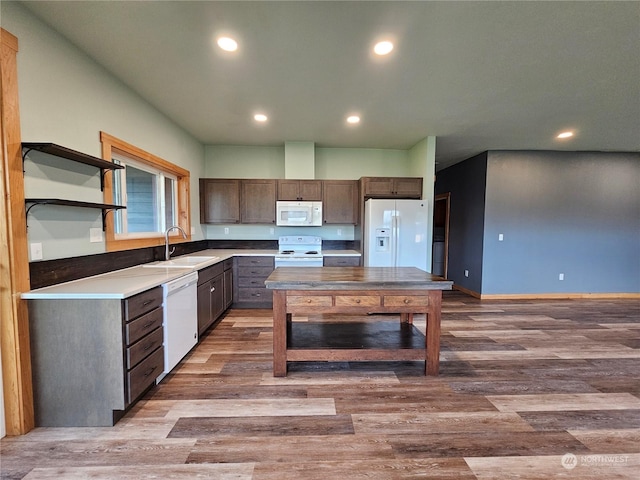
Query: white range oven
x,y
299,251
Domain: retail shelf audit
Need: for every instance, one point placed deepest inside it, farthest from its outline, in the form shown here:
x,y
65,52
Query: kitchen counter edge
x,y
127,282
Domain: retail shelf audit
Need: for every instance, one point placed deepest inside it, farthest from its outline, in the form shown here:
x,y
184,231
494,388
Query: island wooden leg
x,y
432,366
279,334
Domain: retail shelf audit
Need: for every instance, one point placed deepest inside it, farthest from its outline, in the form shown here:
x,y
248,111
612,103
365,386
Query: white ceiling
x,y
478,75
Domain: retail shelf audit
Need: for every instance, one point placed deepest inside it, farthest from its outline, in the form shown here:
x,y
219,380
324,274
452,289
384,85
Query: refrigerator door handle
x,y
395,233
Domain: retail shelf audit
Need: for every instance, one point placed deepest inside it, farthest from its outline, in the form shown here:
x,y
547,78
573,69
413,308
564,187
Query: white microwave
x,y
299,214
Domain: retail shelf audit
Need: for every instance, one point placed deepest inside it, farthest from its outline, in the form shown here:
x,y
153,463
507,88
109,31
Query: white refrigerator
x,y
396,233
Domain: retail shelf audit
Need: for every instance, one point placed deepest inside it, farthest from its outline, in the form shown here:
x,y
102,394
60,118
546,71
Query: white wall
x,y
66,98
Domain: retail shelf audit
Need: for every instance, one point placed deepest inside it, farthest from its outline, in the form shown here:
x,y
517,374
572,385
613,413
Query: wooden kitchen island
x,y
355,292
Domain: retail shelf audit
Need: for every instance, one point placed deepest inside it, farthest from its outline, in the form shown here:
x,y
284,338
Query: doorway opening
x,y
440,252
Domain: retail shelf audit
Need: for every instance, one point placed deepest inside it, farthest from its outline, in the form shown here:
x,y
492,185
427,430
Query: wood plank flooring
x,y
527,390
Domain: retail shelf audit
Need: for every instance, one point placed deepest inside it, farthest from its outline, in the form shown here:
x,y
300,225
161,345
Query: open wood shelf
x,y
105,207
64,152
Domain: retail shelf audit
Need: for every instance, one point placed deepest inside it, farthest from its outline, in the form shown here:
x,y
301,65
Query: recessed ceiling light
x,y
383,48
260,117
567,134
227,44
353,119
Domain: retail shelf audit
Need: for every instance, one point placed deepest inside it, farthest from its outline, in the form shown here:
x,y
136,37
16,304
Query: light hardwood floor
x,y
527,390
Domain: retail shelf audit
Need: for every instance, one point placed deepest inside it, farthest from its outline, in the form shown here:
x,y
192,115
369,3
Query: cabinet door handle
x,y
147,303
212,289
149,346
150,371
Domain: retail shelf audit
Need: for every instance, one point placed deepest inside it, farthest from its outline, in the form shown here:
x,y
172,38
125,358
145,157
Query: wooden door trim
x,y
14,260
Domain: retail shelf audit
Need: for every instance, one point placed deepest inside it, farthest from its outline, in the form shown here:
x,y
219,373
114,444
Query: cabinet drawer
x,y
142,303
255,261
405,301
258,273
251,282
139,350
309,301
145,373
138,328
254,295
357,301
210,272
341,261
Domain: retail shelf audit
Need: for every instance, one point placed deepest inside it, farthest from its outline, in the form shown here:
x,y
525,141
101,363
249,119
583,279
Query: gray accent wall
x,y
570,213
466,181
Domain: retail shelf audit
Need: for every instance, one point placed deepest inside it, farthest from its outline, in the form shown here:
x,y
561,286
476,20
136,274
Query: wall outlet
x,y
466,273
95,235
193,230
339,232
36,251
272,231
561,276
500,237
226,230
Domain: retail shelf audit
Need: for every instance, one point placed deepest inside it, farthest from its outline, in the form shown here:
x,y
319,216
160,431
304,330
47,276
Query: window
x,y
155,192
150,196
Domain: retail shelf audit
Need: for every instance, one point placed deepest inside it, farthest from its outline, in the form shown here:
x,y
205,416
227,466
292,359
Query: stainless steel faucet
x,y
167,252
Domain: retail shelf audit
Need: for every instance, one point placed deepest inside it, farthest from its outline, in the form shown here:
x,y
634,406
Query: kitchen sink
x,y
194,262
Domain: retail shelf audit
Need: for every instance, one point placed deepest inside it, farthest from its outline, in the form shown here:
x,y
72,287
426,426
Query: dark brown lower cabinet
x,y
250,272
215,293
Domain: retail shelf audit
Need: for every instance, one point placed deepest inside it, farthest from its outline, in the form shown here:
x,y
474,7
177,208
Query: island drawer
x,y
139,350
357,301
405,300
142,303
143,375
309,301
139,327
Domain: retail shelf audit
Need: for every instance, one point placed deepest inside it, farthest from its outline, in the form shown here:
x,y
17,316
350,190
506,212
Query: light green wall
x,y
66,98
231,161
299,160
422,159
353,163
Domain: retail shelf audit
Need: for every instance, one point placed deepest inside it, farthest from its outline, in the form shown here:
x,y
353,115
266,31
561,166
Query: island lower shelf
x,y
355,341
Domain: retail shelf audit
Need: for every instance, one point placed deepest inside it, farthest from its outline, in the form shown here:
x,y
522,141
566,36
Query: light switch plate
x,y
36,251
95,235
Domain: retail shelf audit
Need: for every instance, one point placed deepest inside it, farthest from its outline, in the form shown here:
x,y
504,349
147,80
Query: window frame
x,y
112,145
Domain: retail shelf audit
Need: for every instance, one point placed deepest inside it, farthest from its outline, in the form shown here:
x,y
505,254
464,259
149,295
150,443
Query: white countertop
x,y
124,283
118,284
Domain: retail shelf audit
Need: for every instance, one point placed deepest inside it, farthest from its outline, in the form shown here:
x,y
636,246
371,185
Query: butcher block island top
x,y
355,292
355,278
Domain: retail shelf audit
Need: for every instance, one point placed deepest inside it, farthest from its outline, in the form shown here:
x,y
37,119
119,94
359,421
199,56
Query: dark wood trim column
x,y
14,260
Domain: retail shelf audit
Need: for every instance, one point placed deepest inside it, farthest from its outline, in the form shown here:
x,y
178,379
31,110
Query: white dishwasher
x,y
180,301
